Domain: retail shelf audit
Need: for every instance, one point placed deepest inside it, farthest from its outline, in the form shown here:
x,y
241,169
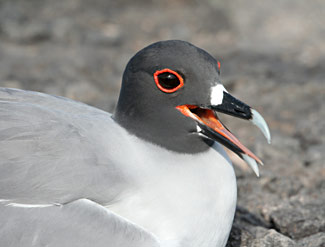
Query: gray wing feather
x,y
56,150
81,223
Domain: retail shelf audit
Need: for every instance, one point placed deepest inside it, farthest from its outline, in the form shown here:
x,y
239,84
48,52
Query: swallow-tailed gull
x,y
153,173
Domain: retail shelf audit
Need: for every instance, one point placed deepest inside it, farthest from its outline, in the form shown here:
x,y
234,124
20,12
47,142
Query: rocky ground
x,y
273,58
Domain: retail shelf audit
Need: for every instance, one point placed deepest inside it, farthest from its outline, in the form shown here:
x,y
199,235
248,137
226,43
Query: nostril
x,y
239,110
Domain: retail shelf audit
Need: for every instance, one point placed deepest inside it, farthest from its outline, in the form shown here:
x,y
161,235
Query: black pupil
x,y
168,80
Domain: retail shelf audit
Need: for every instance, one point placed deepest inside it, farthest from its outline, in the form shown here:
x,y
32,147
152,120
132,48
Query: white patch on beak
x,y
252,163
259,121
217,94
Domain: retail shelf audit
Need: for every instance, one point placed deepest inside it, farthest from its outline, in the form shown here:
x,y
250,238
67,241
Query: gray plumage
x,y
48,155
51,150
81,223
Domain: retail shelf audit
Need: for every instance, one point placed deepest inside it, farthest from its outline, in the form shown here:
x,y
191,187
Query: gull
x,y
152,174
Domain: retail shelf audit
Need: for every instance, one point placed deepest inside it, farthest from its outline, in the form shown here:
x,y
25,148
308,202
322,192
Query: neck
x,y
175,132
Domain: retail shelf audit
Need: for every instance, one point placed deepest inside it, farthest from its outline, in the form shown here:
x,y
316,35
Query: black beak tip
x,y
234,107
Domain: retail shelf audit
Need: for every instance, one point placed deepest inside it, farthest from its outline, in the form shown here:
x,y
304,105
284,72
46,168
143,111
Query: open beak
x,y
210,126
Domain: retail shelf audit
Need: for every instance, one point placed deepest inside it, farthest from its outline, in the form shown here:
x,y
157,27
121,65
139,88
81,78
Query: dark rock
x,y
317,240
300,218
239,236
271,238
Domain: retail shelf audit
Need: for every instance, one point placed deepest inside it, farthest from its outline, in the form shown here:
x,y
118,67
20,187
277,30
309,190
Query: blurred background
x,y
272,57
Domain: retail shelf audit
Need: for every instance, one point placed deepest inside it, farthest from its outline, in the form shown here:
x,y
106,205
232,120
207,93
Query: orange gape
x,y
208,118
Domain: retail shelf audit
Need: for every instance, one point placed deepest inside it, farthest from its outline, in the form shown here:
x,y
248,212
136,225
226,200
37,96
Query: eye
x,y
168,80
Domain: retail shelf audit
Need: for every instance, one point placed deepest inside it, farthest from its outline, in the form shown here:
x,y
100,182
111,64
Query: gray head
x,y
170,92
149,112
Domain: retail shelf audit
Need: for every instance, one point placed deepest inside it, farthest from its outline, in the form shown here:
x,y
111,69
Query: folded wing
x,y
55,150
81,223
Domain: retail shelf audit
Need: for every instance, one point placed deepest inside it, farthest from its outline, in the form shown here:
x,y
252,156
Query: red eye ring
x,y
166,90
